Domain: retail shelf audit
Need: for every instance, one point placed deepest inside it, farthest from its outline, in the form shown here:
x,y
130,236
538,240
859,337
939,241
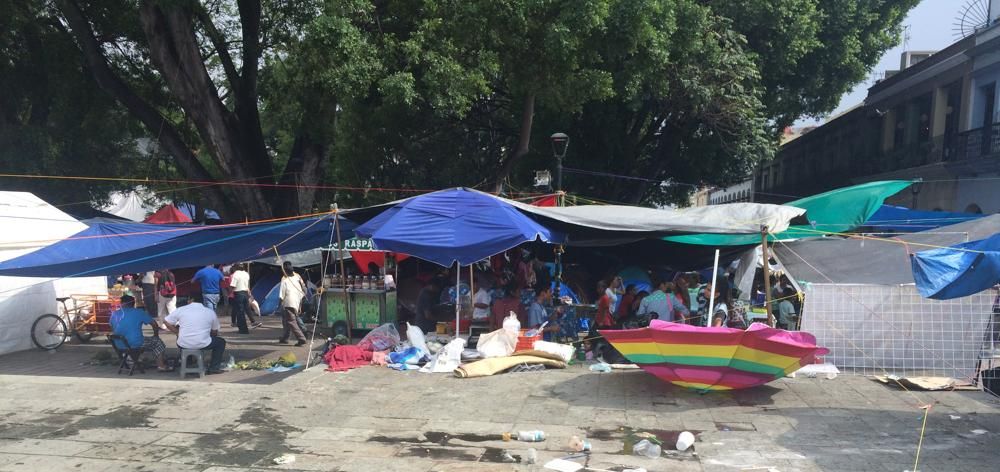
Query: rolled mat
x,y
493,365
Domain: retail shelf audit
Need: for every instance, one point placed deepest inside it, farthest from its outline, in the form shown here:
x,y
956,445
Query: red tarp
x,y
363,258
167,215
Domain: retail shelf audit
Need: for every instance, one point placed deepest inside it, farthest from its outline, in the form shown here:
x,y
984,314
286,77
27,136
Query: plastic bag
x,y
564,351
380,339
512,325
416,338
447,359
499,343
411,356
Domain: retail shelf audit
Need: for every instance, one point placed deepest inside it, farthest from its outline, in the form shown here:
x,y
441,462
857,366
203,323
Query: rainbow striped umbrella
x,y
715,358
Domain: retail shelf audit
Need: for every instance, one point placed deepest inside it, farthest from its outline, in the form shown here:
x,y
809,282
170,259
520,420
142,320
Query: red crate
x,y
526,343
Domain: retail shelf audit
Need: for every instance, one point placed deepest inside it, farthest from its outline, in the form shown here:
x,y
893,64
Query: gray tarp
x,y
736,218
869,261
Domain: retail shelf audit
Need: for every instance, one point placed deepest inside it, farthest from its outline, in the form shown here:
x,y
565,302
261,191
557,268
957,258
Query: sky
x,y
930,27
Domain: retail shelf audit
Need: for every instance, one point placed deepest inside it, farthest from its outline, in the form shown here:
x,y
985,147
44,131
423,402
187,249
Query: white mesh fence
x,y
879,329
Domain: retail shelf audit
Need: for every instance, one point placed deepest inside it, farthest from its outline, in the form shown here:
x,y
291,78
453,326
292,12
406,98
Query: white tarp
x,y
29,224
131,205
730,218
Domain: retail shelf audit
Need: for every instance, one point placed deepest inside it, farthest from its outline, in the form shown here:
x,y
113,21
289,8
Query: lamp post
x,y
560,143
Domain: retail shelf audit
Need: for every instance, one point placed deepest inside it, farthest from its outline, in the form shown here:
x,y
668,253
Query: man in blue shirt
x,y
664,304
210,280
127,322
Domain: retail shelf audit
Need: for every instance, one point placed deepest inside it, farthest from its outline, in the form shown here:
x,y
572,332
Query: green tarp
x,y
831,212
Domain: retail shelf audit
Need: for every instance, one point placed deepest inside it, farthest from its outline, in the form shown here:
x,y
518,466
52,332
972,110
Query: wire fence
x,y
879,330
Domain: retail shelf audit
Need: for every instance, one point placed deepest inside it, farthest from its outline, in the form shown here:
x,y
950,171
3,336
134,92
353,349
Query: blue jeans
x,y
211,300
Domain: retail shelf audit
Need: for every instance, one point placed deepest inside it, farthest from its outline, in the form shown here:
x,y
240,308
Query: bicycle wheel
x,y
49,332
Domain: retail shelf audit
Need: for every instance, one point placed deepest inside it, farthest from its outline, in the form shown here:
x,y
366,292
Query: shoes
x,y
257,325
282,341
214,371
300,343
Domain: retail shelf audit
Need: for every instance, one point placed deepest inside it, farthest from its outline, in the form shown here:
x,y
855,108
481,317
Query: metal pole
x,y
343,273
711,296
458,296
559,160
767,275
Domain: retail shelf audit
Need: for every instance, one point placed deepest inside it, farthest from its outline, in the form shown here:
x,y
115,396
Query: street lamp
x,y
560,143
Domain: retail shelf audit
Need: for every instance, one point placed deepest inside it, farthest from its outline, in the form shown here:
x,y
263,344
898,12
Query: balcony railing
x,y
981,143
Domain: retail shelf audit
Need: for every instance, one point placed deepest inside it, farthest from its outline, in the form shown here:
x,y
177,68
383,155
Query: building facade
x,y
936,120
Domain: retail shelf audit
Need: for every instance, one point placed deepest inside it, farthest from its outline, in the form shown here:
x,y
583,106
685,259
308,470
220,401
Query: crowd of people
x,y
215,291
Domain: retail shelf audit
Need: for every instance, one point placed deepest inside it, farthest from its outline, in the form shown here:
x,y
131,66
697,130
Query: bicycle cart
x,y
83,316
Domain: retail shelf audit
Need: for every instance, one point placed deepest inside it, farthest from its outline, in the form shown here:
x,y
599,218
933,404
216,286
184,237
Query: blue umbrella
x,y
454,225
958,271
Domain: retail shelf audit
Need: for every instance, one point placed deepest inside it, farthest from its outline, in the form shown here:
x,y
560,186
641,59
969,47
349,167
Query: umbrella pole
x,y
458,297
767,276
711,296
343,274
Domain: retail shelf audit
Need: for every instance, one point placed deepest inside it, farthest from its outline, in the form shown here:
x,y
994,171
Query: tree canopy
x,y
287,101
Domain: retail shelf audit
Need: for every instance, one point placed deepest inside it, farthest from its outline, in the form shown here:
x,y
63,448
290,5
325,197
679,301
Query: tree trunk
x,y
523,141
668,145
114,86
308,161
239,152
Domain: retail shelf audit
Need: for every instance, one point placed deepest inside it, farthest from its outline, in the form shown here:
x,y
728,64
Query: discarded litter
x,y
646,448
563,465
812,371
600,367
684,441
955,417
531,436
979,431
576,444
531,457
284,459
507,457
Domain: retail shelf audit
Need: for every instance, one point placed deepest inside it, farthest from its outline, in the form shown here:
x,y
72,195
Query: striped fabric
x,y
715,358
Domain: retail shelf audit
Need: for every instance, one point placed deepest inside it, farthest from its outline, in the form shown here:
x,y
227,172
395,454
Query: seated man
x,y
127,322
197,327
787,318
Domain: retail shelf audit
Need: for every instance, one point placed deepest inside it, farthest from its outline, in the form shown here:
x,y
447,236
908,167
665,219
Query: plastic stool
x,y
185,370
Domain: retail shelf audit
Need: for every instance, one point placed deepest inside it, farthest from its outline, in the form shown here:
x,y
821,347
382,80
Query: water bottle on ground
x,y
531,436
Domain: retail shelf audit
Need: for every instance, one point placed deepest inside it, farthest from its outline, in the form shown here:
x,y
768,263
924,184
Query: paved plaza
x,y
377,419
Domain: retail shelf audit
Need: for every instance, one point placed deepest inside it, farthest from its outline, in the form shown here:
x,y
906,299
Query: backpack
x,y
169,289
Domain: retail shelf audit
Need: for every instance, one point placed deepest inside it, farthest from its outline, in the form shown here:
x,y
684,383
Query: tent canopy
x,y
201,246
904,220
958,271
168,214
453,225
835,211
871,260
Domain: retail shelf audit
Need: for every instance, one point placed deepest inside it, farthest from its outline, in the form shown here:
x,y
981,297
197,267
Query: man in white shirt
x,y
197,327
290,295
481,303
240,283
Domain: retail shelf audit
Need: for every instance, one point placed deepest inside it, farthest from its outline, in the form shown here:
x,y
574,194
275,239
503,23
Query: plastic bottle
x,y
512,325
646,448
531,457
576,444
531,436
684,441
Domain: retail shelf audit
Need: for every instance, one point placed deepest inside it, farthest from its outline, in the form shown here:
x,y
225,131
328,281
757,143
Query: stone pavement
x,y
375,419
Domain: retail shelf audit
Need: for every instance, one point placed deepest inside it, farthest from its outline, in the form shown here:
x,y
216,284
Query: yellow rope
x,y
923,427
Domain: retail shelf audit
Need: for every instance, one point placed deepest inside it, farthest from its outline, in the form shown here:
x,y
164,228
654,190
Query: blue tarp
x,y
899,219
958,271
207,245
103,237
453,225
